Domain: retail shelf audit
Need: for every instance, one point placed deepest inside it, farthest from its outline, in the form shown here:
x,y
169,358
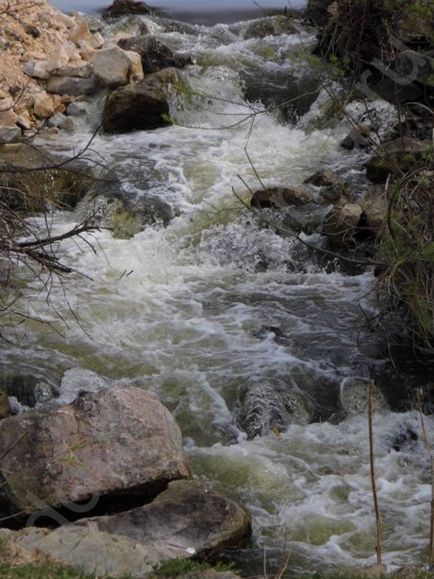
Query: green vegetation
x,y
177,567
406,286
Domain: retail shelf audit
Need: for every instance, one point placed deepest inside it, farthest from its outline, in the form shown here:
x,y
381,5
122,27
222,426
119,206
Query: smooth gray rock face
x,y
141,106
9,134
115,442
82,70
112,67
186,520
72,85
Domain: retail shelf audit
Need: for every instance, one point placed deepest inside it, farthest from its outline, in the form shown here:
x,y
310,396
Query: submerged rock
x,y
142,106
268,409
271,26
120,441
187,520
154,54
354,397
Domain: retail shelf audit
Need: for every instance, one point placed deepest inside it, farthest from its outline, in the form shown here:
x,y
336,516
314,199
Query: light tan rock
x,y
97,40
136,69
112,67
86,51
60,57
43,105
8,118
24,120
80,32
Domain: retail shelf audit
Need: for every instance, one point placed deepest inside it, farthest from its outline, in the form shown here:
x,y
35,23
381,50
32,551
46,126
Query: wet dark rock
x,y
118,441
109,206
319,11
280,197
4,403
28,389
154,54
355,139
405,439
271,26
323,178
121,8
289,96
142,106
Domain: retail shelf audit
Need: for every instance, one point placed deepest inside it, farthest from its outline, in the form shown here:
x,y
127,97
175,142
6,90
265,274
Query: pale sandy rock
x,y
24,121
112,67
81,32
8,118
86,51
136,70
60,57
43,106
97,41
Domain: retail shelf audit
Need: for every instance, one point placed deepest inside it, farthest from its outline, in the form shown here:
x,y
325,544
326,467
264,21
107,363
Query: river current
x,y
217,311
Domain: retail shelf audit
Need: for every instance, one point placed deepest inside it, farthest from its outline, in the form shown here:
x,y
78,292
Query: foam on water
x,y
217,309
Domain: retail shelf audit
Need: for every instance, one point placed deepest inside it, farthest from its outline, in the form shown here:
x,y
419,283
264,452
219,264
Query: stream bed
x,y
231,323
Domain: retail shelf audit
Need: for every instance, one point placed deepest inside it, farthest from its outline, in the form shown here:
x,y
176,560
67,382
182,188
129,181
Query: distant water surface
x,y
197,11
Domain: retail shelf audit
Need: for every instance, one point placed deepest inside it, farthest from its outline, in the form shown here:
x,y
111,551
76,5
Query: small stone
x,y
72,85
43,106
36,69
9,134
8,118
32,30
77,109
136,69
97,41
82,70
81,32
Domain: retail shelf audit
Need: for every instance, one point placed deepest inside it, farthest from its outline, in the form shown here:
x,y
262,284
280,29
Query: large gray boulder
x,y
141,106
187,520
112,67
154,54
115,442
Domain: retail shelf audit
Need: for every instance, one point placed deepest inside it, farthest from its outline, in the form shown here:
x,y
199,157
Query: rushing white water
x,y
216,306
